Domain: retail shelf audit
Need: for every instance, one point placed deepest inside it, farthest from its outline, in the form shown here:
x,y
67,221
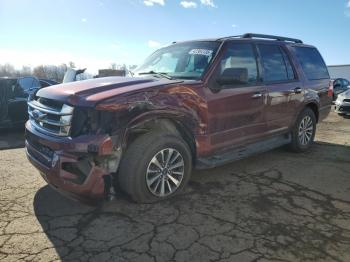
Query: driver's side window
x,y
238,66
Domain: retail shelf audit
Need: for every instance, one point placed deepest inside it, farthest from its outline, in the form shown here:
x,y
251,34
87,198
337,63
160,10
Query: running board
x,y
242,152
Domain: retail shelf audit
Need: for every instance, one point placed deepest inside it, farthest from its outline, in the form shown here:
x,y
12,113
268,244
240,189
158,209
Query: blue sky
x,y
96,33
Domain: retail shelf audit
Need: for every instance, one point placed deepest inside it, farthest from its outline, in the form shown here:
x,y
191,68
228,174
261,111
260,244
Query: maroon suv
x,y
195,104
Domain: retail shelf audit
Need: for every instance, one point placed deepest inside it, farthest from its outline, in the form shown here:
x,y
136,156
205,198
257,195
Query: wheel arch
x,y
165,122
315,108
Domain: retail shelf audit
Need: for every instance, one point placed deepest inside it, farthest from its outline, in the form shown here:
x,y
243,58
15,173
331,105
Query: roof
x,y
250,36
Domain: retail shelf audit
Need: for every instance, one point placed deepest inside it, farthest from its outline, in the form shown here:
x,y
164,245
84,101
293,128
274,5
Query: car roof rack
x,y
262,36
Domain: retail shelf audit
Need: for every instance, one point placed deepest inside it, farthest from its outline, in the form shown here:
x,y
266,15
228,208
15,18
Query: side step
x,y
243,152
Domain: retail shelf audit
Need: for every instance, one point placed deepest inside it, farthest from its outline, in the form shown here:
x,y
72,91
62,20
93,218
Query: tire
x,y
142,179
303,132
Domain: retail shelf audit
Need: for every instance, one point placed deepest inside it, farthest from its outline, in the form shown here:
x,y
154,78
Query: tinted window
x,y
273,63
345,82
289,67
26,83
337,83
239,63
36,83
312,63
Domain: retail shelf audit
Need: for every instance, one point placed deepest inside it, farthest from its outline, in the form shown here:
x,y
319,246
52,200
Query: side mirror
x,y
233,76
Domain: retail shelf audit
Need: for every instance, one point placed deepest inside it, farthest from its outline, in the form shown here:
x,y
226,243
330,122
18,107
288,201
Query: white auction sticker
x,y
205,52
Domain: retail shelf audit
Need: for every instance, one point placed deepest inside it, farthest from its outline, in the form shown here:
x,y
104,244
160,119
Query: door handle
x,y
257,95
297,90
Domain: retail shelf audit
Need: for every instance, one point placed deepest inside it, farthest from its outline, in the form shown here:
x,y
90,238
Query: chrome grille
x,y
50,116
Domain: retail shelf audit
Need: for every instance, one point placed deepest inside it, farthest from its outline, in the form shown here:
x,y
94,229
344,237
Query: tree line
x,y
52,72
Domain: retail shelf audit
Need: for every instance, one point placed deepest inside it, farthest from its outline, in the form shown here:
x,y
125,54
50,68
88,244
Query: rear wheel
x,y
155,167
304,130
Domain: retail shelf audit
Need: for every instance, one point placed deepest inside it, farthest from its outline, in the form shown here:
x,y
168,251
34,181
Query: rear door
x,y
316,76
283,86
236,109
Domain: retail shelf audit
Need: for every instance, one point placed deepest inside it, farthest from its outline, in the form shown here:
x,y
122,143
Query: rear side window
x,y
312,63
289,67
276,64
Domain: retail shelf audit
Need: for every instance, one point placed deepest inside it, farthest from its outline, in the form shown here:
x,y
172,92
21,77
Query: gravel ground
x,y
277,206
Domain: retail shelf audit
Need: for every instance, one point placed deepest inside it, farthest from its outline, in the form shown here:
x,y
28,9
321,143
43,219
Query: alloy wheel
x,y
165,172
306,128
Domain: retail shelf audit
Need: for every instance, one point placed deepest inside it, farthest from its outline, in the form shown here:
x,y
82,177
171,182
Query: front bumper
x,y
51,156
342,108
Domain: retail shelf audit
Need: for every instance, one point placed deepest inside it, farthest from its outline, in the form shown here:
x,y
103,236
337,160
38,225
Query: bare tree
x,y
7,70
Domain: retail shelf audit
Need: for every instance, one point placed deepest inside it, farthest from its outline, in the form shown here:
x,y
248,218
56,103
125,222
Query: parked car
x,y
14,93
195,104
72,75
340,85
342,104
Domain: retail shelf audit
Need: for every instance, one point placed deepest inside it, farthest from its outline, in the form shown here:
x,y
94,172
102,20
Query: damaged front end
x,y
80,165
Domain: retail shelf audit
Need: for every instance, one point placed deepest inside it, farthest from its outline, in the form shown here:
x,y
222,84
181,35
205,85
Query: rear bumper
x,y
51,156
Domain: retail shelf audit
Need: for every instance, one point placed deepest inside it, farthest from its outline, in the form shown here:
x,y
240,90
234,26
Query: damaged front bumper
x,y
79,167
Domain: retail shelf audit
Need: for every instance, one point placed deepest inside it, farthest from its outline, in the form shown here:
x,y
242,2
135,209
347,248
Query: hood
x,y
90,92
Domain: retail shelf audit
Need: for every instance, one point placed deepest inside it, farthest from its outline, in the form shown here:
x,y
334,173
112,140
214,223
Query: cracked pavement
x,y
276,206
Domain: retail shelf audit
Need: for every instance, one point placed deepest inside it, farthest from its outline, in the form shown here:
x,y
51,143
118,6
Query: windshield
x,y
185,60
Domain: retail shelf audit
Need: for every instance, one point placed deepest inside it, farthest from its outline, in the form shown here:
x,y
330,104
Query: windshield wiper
x,y
165,75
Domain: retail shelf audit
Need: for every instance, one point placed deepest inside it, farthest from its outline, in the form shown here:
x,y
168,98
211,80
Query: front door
x,y
236,99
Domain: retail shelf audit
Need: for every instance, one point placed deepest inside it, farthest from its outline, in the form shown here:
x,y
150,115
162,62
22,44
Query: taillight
x,y
330,88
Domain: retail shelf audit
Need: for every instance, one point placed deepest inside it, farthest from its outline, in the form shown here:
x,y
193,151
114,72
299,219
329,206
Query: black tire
x,y
297,144
137,159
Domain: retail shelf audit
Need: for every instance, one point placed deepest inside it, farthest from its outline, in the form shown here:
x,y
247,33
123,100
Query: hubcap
x,y
305,130
165,172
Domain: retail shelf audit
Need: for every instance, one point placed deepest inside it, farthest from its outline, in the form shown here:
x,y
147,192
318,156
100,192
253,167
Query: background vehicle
x,y
14,93
72,75
342,104
47,82
196,104
340,85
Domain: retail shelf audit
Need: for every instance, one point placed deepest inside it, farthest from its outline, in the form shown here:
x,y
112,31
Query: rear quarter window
x,y
312,63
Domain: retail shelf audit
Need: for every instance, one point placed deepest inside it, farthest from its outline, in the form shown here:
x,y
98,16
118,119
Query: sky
x,y
96,33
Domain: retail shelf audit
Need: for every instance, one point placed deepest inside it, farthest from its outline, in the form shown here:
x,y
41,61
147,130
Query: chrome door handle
x,y
257,95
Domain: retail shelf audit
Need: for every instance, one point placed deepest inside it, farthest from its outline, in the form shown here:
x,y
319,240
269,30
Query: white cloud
x,y
115,46
347,10
153,44
188,4
153,2
84,20
209,3
234,26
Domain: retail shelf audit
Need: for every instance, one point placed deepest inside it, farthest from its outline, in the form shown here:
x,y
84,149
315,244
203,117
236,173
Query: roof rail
x,y
274,37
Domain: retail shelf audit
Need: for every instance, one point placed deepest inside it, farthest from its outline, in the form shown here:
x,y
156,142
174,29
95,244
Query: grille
x,y
50,116
347,100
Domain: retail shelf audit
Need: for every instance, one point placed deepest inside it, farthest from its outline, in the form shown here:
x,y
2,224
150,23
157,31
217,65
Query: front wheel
x,y
155,167
304,130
